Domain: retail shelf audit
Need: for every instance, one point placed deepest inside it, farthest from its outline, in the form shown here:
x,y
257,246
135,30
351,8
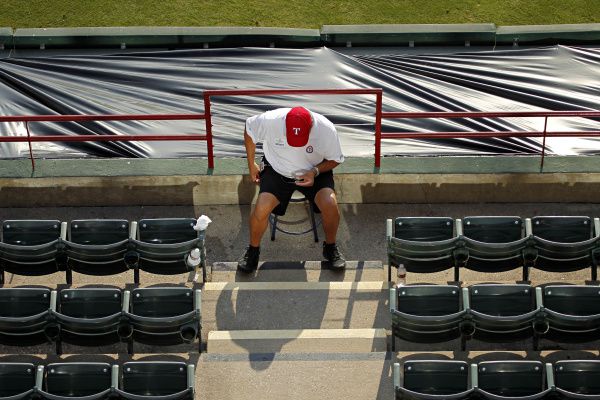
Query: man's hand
x,y
254,172
307,179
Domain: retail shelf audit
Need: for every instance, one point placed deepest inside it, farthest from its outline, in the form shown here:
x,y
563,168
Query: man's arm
x,y
308,179
253,169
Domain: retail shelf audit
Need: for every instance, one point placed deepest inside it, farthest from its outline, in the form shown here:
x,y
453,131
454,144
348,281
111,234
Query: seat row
x,y
96,381
494,244
496,380
102,247
100,316
495,313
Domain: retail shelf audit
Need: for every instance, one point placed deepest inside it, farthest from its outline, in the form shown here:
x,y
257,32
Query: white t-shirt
x,y
269,128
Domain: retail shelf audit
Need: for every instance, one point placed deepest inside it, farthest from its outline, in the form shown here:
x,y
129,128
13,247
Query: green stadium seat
x,y
91,317
97,247
509,379
25,316
565,244
157,380
164,315
162,246
91,381
429,380
423,244
577,379
499,313
495,244
17,381
426,313
30,247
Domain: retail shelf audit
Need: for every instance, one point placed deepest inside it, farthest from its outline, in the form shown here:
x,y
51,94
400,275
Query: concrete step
x,y
298,341
357,376
294,305
301,271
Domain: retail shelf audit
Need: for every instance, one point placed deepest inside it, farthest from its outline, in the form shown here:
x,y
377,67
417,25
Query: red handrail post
x,y
30,149
544,144
208,120
378,114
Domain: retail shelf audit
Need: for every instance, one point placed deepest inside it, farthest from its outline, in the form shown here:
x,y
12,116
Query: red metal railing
x,y
496,134
102,138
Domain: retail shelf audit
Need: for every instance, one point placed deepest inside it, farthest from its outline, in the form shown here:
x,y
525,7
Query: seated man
x,y
301,148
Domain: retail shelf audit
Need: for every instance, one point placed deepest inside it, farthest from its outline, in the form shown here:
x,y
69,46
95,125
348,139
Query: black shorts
x,y
282,187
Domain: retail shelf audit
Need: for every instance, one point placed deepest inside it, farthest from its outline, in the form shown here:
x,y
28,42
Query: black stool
x,y
273,219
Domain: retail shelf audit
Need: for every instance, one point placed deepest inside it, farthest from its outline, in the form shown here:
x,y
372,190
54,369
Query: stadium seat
x,y
91,317
97,247
164,315
17,381
31,247
429,380
498,312
571,312
508,379
162,246
565,244
495,244
425,313
577,379
92,381
157,380
423,244
25,316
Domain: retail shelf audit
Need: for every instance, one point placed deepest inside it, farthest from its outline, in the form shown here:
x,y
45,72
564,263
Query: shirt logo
x,y
309,149
279,142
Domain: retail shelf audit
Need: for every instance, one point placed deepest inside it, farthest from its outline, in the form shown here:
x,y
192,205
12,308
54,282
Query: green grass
x,y
292,13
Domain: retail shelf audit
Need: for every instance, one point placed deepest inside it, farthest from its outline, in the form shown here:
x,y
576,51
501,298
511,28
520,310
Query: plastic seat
x,y
426,313
25,315
565,244
575,379
571,312
97,246
91,317
30,247
164,315
157,380
17,381
495,244
499,312
505,379
430,380
423,244
78,379
162,246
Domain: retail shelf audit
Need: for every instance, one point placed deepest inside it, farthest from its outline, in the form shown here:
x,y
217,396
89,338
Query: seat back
x,y
98,231
511,378
162,301
493,229
77,379
502,300
581,377
436,377
23,302
90,303
432,300
572,300
563,229
16,378
30,232
154,378
167,230
424,229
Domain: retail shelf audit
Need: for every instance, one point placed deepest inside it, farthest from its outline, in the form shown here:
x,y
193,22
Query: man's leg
x,y
326,201
259,219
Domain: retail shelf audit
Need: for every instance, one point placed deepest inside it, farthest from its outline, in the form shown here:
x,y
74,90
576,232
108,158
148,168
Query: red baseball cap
x,y
297,126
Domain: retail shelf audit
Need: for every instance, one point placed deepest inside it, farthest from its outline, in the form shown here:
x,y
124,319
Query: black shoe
x,y
249,261
334,257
